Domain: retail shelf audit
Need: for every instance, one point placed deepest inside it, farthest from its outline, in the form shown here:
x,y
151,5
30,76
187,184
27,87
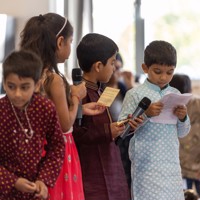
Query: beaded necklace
x,y
29,134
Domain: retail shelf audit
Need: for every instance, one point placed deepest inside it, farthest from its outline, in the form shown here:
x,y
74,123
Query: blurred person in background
x,y
123,80
189,145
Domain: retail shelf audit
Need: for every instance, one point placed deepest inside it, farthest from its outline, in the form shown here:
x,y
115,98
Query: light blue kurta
x,y
154,150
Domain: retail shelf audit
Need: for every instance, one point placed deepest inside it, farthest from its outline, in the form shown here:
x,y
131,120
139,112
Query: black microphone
x,y
142,106
77,79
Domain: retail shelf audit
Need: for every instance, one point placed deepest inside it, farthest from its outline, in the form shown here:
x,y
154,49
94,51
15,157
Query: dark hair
x,y
181,82
93,48
190,195
25,64
40,35
160,52
119,57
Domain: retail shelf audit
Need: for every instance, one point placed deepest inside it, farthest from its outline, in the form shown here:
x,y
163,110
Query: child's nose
x,y
18,92
163,77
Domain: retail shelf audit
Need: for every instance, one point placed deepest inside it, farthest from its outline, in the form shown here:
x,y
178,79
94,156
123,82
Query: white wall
x,y
22,10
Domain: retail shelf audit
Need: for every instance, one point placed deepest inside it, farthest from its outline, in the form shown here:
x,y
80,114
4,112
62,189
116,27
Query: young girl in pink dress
x,y
50,36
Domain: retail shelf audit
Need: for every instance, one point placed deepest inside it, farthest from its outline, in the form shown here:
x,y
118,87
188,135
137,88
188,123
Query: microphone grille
x,y
76,74
144,103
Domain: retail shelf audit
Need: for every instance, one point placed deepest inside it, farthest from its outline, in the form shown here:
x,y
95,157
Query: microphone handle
x,y
139,111
126,131
79,113
120,138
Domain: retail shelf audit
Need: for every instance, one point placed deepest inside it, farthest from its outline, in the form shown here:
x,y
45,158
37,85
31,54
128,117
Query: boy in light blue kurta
x,y
154,148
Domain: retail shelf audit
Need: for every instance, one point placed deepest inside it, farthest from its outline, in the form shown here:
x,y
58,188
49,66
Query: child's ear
x,y
98,65
60,41
145,68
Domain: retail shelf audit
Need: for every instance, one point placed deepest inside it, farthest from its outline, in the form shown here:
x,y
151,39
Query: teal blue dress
x,y
154,149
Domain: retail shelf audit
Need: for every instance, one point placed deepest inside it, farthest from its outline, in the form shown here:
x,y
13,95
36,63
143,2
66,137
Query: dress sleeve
x,y
183,127
7,181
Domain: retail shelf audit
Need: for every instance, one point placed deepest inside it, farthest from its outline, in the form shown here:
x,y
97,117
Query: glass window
x,y
114,19
176,21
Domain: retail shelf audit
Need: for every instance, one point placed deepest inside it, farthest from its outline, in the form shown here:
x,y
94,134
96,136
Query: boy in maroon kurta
x,y
26,121
102,169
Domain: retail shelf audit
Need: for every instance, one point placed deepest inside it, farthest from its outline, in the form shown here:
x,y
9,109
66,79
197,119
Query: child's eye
x,y
11,87
157,72
25,88
169,73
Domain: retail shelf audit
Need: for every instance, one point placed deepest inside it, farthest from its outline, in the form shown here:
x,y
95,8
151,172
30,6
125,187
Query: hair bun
x,y
41,18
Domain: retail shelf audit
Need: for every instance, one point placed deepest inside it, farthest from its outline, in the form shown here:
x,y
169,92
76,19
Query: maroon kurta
x,y
102,170
20,156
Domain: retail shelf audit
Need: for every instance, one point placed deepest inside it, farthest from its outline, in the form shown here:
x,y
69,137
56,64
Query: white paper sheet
x,y
170,101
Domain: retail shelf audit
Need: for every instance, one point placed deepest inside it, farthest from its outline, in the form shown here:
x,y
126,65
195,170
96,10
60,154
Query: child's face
x,y
64,49
19,90
159,75
107,70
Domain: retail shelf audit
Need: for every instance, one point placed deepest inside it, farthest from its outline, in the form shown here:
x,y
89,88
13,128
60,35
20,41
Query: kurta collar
x,y
91,85
153,86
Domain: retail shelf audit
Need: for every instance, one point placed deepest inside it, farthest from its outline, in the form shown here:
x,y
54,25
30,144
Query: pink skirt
x,y
69,184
